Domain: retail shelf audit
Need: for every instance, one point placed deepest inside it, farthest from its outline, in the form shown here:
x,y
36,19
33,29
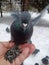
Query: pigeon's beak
x,y
24,26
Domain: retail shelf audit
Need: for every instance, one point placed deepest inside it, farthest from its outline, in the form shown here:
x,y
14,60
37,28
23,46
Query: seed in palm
x,y
12,54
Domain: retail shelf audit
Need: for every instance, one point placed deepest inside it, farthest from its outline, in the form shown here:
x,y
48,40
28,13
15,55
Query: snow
x,y
4,35
5,14
40,39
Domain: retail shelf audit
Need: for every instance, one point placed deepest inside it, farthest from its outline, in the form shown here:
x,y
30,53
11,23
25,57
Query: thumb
x,y
4,46
8,44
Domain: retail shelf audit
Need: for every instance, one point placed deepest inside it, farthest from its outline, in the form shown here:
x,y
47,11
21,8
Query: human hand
x,y
27,49
4,46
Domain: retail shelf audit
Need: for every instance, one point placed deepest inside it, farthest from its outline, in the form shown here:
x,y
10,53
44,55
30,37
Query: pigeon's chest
x,y
25,35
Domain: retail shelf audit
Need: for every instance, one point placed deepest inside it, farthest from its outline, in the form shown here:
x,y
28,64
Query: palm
x,y
26,51
4,47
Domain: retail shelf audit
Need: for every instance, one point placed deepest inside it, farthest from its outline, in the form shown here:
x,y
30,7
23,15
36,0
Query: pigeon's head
x,y
25,19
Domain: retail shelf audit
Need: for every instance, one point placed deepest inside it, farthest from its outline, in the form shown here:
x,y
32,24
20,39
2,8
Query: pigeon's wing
x,y
36,20
41,14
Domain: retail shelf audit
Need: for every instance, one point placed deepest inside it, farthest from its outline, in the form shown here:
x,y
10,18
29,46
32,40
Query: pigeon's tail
x,y
41,14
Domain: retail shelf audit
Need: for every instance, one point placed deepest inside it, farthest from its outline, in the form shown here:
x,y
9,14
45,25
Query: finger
x,y
30,46
3,61
8,44
31,49
13,63
4,46
23,45
2,50
22,56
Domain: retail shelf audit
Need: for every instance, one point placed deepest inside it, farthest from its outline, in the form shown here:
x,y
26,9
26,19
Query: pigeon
x,y
36,63
45,60
21,29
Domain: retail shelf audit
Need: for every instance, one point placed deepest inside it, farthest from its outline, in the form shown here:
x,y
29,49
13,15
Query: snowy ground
x,y
40,39
4,35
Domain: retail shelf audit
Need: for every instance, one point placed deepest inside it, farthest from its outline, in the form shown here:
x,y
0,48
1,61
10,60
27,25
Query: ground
x,y
40,39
